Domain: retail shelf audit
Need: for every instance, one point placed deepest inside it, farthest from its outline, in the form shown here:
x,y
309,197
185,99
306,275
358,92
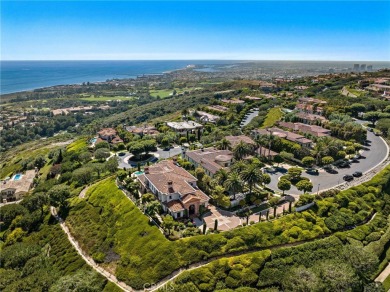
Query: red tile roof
x,y
175,206
166,171
234,140
207,158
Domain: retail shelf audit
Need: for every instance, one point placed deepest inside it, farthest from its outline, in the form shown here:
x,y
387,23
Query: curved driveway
x,y
373,156
251,115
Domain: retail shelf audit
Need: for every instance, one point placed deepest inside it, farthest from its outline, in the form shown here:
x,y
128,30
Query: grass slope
x,y
274,115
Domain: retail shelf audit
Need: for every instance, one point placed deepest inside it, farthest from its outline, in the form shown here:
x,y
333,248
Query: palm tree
x,y
252,176
220,177
261,141
234,183
223,144
241,150
319,150
239,166
271,138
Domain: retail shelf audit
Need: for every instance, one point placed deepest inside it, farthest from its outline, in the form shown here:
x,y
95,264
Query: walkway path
x,y
228,220
84,192
385,273
110,277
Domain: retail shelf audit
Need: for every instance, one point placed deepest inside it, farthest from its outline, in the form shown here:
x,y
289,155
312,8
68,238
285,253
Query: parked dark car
x,y
343,164
312,171
347,177
357,174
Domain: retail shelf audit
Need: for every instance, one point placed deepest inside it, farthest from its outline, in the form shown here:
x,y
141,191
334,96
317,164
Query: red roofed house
x,y
109,135
234,140
210,159
293,137
175,188
311,105
314,130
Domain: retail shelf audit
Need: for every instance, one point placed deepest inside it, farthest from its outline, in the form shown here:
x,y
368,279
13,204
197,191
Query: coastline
x,y
131,78
19,77
27,76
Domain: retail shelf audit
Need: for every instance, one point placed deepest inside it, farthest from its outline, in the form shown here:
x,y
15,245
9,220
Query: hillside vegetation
x,y
112,229
44,260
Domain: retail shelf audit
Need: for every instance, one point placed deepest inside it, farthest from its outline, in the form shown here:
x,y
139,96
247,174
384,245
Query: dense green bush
x,y
43,261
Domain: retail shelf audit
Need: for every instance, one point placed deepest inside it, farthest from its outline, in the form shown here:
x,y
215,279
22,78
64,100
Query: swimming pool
x,y
93,140
138,173
17,176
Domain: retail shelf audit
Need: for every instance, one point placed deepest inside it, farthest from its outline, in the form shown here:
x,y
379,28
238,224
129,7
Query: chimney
x,y
170,186
146,170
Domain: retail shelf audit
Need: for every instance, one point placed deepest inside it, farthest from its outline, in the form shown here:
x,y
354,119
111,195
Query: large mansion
x,y
210,159
14,188
175,188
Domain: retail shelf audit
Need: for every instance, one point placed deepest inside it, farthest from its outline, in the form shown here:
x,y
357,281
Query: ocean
x,y
27,75
19,76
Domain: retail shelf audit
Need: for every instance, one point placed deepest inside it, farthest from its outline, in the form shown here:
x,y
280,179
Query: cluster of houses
x,y
379,85
143,130
290,136
314,130
311,110
14,188
85,109
176,189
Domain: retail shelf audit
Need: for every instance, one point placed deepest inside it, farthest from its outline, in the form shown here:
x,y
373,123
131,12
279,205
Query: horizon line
x,y
240,60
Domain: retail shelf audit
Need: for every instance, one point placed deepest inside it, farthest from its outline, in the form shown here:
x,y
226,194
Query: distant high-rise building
x,y
363,67
369,68
356,67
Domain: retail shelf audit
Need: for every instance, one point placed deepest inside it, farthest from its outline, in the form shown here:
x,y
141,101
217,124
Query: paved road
x,y
376,153
249,118
160,153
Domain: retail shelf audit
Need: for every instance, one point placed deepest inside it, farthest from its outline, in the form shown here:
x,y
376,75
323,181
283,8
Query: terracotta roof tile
x,y
175,206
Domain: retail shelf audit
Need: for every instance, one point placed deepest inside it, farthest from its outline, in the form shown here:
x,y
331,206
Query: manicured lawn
x,y
386,283
274,115
163,93
355,92
77,145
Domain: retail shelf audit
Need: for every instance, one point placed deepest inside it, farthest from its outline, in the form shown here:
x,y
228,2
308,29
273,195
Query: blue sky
x,y
127,30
